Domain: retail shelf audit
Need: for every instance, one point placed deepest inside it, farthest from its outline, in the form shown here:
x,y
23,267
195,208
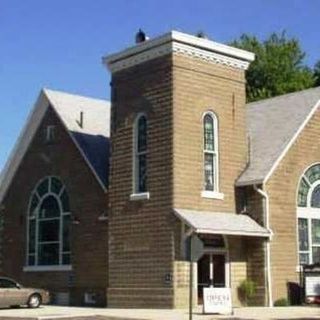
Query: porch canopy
x,y
221,223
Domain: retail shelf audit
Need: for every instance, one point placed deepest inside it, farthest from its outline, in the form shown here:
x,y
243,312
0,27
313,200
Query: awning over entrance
x,y
221,223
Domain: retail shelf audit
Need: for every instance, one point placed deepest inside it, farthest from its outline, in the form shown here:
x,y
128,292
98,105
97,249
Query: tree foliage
x,y
317,73
278,67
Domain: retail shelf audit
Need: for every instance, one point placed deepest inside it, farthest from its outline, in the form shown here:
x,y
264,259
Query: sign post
x,y
196,251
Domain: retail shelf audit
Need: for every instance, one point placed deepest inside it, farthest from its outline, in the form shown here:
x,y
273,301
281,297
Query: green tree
x,y
278,67
317,73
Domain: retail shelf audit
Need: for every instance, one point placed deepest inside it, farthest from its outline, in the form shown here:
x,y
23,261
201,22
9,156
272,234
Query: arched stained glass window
x,y
308,212
49,224
315,197
140,154
210,152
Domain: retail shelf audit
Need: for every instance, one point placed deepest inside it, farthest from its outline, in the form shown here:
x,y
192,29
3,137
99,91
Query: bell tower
x,y
161,90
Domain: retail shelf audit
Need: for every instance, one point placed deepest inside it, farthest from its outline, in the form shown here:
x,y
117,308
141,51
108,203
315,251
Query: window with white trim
x,y
210,152
309,216
140,154
49,224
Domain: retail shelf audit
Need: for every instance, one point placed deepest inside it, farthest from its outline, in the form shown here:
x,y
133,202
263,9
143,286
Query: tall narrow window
x,y
49,225
210,151
140,161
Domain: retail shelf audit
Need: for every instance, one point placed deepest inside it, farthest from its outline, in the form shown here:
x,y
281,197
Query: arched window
x,y
140,155
49,224
309,216
210,151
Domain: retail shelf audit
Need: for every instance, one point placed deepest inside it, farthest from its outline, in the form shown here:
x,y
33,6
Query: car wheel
x,y
34,301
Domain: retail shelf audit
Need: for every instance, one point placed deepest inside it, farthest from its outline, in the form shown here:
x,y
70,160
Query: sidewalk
x,y
77,313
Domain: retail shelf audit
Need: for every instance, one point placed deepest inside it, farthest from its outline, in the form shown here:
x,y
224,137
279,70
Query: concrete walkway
x,y
76,313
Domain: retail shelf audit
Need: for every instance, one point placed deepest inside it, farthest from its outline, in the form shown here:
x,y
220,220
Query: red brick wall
x,y
89,238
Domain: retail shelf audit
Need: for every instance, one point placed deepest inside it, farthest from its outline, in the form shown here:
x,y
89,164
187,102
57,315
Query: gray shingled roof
x,y
221,223
271,125
93,137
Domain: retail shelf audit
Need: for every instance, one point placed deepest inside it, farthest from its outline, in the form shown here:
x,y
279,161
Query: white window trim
x,y
135,155
309,213
63,267
212,194
63,213
140,196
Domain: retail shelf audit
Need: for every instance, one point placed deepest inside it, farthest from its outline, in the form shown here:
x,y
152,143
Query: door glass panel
x,y
203,276
219,271
204,273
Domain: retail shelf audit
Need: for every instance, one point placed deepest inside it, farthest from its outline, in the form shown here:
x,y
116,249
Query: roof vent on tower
x,y
201,34
141,36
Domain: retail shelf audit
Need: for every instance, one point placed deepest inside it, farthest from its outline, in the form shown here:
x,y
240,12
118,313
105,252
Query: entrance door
x,y
211,272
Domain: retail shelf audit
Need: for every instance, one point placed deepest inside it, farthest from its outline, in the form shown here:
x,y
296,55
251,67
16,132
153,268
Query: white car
x,y
14,294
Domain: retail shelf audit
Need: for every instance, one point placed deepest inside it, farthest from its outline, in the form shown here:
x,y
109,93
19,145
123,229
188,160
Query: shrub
x,y
247,290
282,302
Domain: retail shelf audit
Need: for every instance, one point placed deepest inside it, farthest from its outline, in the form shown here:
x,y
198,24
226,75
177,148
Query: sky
x,y
58,44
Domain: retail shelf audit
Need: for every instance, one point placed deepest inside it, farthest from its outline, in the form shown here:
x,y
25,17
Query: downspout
x,y
267,225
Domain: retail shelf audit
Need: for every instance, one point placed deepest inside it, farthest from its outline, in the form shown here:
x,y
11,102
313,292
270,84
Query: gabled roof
x,y
273,126
92,139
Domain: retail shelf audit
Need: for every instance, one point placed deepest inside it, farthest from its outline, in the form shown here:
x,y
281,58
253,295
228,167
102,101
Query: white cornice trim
x,y
182,43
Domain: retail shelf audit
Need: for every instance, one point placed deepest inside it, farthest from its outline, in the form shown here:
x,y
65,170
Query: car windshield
x,y
8,283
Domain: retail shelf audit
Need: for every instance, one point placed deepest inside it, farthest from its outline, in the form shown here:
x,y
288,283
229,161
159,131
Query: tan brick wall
x,y
141,237
282,190
199,87
145,238
89,238
256,254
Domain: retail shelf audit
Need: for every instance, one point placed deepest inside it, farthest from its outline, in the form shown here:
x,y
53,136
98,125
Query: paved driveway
x,y
76,313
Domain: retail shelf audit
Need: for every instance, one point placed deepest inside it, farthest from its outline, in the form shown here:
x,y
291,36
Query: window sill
x,y
47,268
212,195
140,196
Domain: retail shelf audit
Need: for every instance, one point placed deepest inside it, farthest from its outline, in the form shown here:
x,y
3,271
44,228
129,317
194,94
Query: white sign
x,y
217,300
313,286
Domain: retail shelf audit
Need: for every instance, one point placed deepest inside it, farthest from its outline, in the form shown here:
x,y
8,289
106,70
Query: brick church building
x,y
99,199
